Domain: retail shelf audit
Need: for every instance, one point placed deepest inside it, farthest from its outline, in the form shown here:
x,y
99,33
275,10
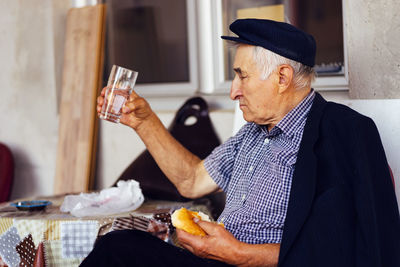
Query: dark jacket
x,y
342,209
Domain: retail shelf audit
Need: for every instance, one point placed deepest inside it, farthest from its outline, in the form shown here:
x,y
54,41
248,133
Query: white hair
x,y
267,61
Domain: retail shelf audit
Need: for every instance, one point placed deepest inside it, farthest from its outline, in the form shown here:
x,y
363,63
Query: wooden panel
x,y
82,72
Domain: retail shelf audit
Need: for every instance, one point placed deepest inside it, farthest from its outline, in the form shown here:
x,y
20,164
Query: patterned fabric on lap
x,y
122,223
34,227
8,241
5,224
152,226
26,251
52,231
53,255
2,263
105,226
77,238
159,229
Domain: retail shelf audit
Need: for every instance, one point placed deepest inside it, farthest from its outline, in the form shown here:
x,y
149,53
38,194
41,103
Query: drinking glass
x,y
119,87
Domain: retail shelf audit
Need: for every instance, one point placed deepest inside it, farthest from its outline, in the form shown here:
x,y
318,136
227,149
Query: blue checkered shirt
x,y
255,169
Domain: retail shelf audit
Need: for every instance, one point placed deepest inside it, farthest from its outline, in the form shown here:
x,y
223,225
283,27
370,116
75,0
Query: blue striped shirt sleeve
x,y
219,164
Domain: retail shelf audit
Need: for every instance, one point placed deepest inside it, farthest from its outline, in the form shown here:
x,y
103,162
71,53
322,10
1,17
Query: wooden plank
x,y
82,75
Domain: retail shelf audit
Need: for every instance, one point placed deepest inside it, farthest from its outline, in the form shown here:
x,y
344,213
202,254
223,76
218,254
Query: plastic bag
x,y
125,197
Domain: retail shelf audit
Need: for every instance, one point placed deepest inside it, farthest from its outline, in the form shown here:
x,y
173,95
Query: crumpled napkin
x,y
125,197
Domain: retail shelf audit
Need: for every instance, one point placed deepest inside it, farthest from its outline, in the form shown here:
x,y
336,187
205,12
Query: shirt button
x,y
251,168
266,141
222,219
243,197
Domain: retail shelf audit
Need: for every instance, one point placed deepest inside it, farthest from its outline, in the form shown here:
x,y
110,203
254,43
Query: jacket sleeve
x,y
378,221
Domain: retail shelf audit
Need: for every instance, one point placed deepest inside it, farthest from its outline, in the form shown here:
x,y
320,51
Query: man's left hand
x,y
221,245
218,244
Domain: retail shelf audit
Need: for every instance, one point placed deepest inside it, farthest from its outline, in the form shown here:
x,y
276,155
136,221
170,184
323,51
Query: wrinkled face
x,y
257,98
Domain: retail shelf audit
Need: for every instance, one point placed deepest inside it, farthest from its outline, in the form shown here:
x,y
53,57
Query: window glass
x,y
321,18
148,36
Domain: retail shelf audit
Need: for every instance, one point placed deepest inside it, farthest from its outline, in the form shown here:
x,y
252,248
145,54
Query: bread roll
x,y
183,219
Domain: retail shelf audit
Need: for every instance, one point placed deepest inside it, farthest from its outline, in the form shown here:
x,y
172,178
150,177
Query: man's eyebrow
x,y
239,71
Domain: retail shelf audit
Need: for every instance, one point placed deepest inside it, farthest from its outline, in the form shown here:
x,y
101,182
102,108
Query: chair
x,y
6,172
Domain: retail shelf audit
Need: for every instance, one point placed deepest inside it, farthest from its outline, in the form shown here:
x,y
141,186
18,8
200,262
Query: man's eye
x,y
243,77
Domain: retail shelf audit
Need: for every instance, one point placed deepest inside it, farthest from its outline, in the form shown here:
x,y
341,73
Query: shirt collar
x,y
291,122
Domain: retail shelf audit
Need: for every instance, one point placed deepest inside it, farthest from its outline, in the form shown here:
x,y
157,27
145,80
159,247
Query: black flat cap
x,y
278,37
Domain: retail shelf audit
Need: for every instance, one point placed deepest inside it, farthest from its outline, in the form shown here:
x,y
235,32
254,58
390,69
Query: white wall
x,y
28,115
373,42
373,36
29,77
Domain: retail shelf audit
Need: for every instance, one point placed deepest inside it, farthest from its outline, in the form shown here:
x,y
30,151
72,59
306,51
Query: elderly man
x,y
307,181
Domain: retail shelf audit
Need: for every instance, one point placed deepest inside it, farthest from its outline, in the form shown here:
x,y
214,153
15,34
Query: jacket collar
x,y
304,179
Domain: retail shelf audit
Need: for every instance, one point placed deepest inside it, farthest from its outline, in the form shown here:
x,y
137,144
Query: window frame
x,y
333,83
206,57
179,88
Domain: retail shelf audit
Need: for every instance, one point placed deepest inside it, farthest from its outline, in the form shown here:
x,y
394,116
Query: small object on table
x,y
32,205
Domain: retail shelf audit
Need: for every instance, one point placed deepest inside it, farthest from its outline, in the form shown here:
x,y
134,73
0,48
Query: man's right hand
x,y
135,111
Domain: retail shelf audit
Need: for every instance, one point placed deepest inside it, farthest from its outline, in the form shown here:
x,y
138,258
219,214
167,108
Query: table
x,y
52,238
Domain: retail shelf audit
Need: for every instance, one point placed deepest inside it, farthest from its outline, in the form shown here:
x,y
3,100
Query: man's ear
x,y
285,73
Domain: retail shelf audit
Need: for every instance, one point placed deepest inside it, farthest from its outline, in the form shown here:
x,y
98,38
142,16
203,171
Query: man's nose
x,y
235,88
